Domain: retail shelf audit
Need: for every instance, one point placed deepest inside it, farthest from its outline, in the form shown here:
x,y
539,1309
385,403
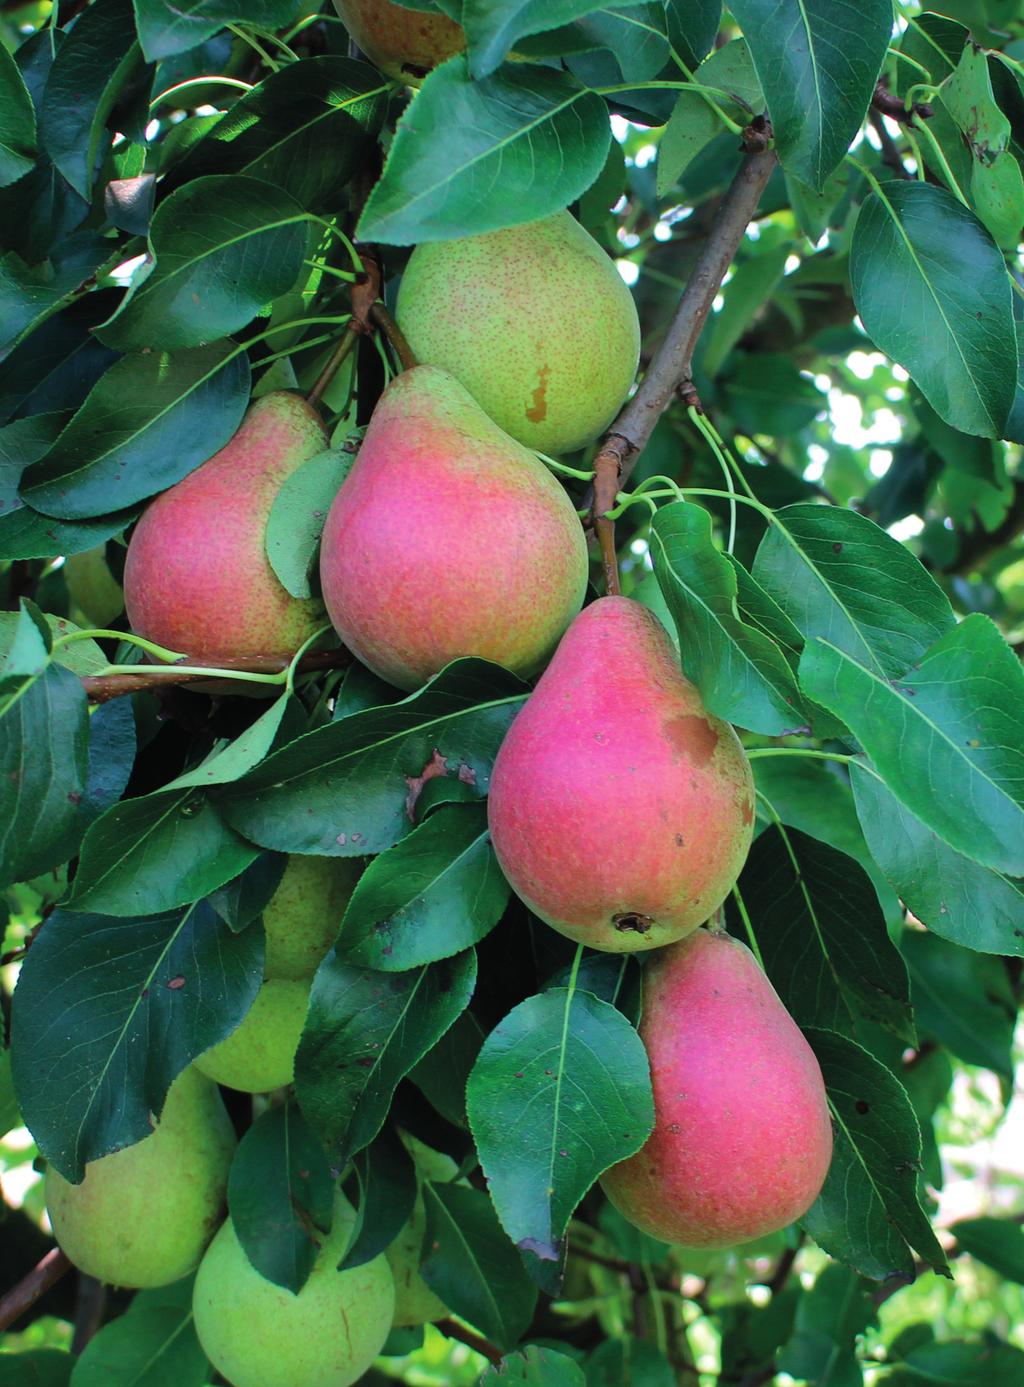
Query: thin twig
x,y
364,294
100,688
30,1288
474,1341
669,373
887,104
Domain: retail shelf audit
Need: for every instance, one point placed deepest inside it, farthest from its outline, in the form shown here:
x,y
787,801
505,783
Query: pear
x,y
142,1216
258,1334
621,811
415,1302
260,1054
448,538
197,578
405,44
742,1138
536,323
301,919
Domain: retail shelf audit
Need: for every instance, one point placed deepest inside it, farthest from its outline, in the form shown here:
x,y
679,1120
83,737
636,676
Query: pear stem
x,y
363,293
397,338
23,1296
451,1330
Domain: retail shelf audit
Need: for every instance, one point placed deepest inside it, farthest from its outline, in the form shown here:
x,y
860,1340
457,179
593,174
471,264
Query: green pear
x,y
197,577
415,1302
260,1335
536,323
301,918
260,1054
142,1216
404,43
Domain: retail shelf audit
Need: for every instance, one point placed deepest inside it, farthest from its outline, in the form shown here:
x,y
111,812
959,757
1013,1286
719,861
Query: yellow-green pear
x,y
260,1054
415,1302
301,918
534,320
142,1216
260,1335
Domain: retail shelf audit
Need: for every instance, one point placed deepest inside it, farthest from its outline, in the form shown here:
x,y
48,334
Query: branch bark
x,y
669,374
471,1340
100,688
30,1288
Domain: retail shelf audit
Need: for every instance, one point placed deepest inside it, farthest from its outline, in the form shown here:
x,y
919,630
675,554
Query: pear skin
x,y
259,1055
258,1334
448,538
621,811
142,1216
415,1302
302,917
197,578
536,323
406,44
742,1138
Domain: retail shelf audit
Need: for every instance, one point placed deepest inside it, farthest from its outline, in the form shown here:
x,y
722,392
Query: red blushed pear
x,y
620,809
406,44
448,538
197,578
742,1138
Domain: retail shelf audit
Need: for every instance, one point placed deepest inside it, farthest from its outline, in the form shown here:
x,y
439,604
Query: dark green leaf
x,y
280,723
997,1242
29,294
153,1344
479,155
818,61
693,27
472,1266
868,1214
741,674
345,790
963,999
58,364
838,575
631,1361
492,30
946,738
17,122
304,128
36,1367
150,420
225,247
155,853
954,896
298,514
560,1091
829,1317
108,1012
822,936
753,1334
932,292
166,28
634,33
364,1032
281,1196
240,901
436,892
959,1365
387,1192
766,393
535,1366
9,1114
443,1072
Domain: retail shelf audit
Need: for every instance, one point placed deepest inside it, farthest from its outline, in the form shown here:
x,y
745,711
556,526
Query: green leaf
x,y
740,672
961,900
997,1242
932,292
36,1367
29,294
364,1032
535,1366
17,122
492,30
634,34
963,999
345,790
157,852
766,393
147,422
829,1317
153,1344
474,156
93,65
298,514
437,892
751,285
57,365
946,738
472,1266
141,999
560,1091
997,186
838,575
387,1193
305,129
691,126
822,936
959,1364
868,1214
280,1195
443,1072
284,719
9,1115
224,247
629,1360
167,27
818,61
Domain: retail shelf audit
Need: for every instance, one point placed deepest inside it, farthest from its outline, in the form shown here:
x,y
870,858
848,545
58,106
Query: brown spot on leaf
x,y
436,766
176,984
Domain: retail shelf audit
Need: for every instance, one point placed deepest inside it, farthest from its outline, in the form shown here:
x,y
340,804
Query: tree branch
x,y
100,688
30,1288
669,373
471,1340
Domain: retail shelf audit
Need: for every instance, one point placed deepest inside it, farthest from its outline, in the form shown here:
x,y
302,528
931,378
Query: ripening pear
x,y
258,1334
197,578
415,1302
621,811
301,919
448,538
259,1055
742,1138
405,44
536,323
142,1216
